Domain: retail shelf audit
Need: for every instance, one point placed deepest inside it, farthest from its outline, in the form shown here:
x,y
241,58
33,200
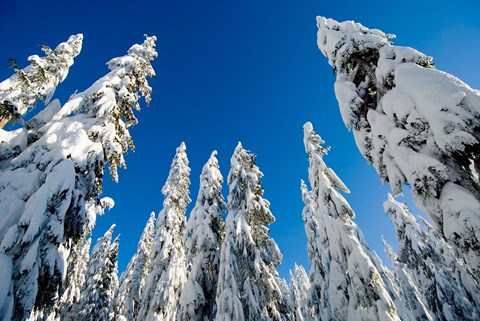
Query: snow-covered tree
x,y
132,281
350,286
248,282
447,288
101,282
49,195
316,253
168,266
38,80
408,290
74,280
416,125
204,235
299,289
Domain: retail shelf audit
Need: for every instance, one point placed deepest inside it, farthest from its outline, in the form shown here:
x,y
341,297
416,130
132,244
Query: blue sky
x,y
231,71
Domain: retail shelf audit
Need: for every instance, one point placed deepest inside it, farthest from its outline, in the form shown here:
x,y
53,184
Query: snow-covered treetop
x,y
205,224
144,244
105,239
38,80
245,193
211,180
322,177
176,188
137,63
110,102
405,223
354,52
338,40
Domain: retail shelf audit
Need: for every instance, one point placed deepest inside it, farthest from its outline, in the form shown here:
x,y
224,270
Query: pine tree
x,y
248,283
414,124
299,287
132,281
349,285
447,289
55,182
316,253
408,290
204,235
101,282
168,268
74,280
38,80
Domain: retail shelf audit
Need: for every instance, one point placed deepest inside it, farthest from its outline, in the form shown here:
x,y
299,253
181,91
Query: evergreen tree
x,y
350,286
168,268
414,124
38,80
74,281
447,288
55,182
100,284
316,253
204,235
408,290
132,281
299,287
249,287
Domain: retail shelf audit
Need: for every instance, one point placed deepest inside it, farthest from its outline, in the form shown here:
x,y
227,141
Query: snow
x,y
5,278
51,170
416,125
21,95
345,282
246,238
425,258
191,292
168,268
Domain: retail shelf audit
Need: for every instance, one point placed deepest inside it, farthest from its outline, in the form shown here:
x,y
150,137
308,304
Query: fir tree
x,y
316,253
408,290
414,124
447,289
132,281
101,282
74,281
38,80
55,181
248,283
168,268
299,287
349,285
204,235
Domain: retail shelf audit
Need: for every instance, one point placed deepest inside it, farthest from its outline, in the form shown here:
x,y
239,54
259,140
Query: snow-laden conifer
x,y
407,289
49,196
316,253
414,124
447,288
204,235
299,288
248,283
168,266
132,281
350,286
74,280
101,282
38,80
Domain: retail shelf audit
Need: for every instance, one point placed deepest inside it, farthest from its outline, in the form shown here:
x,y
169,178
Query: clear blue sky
x,y
231,71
